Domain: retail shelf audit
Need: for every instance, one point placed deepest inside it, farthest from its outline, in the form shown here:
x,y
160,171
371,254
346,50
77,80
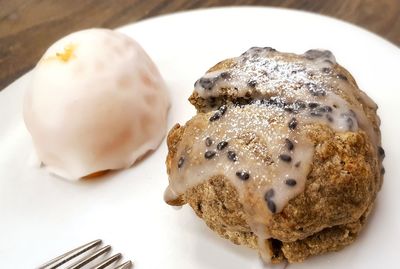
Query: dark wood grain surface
x,y
28,27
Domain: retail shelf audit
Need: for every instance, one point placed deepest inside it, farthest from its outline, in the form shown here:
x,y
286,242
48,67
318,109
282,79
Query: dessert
x,y
284,154
96,102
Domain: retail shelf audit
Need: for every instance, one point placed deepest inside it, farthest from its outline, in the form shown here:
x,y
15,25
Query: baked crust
x,y
339,193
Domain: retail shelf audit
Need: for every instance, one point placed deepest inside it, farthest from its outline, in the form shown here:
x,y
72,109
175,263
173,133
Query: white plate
x,y
42,216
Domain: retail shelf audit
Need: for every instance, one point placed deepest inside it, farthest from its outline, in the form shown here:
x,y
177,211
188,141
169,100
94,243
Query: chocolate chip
x,y
342,77
298,70
271,102
243,175
314,54
326,70
268,198
288,108
350,123
329,117
276,101
252,83
292,124
216,116
223,109
291,182
383,171
271,206
320,110
209,154
289,144
207,83
317,92
232,156
181,161
316,114
327,108
297,164
269,194
208,142
222,145
299,105
285,158
269,49
313,105
225,75
381,152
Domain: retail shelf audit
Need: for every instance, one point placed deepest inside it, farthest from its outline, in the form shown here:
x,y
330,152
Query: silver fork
x,y
97,252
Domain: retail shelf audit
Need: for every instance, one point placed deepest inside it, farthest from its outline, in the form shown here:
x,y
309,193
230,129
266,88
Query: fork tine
x,y
109,261
125,265
90,258
60,260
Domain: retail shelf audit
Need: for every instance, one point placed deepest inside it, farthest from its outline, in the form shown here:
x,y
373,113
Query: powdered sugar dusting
x,y
263,71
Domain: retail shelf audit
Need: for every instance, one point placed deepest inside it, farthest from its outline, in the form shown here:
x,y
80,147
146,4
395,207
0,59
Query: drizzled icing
x,y
268,73
264,73
266,154
92,108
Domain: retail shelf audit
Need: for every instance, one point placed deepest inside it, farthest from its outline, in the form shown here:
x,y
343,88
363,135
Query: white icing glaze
x,y
288,92
274,74
96,102
290,77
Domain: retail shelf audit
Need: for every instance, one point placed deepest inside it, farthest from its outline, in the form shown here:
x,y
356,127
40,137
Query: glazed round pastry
x,y
96,102
283,156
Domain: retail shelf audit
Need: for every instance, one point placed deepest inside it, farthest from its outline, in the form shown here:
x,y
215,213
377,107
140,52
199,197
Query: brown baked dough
x,y
339,194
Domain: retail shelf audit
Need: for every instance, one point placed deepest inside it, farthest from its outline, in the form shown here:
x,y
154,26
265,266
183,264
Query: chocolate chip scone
x,y
283,155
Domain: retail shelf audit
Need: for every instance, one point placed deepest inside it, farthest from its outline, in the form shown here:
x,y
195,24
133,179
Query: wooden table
x,y
28,27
